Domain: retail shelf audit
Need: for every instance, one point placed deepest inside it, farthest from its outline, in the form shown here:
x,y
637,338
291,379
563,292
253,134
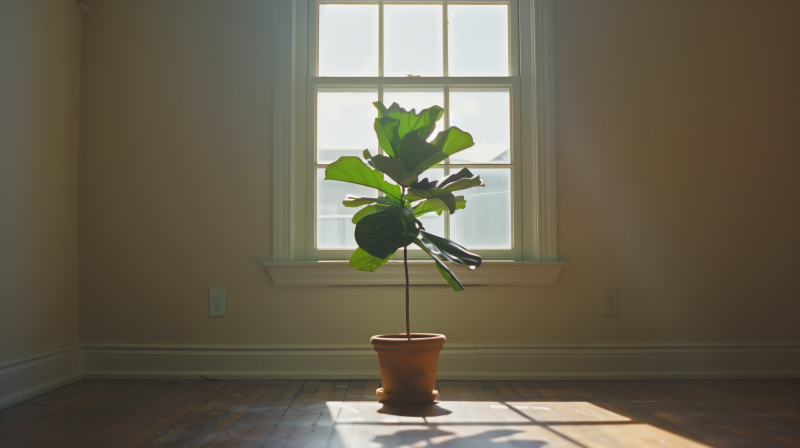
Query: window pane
x,y
487,116
334,229
418,99
486,222
348,40
477,38
413,40
345,124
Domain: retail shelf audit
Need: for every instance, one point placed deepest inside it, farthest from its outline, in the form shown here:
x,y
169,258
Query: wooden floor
x,y
482,414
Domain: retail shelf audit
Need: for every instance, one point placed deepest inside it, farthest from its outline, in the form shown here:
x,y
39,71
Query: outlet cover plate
x,y
610,302
216,302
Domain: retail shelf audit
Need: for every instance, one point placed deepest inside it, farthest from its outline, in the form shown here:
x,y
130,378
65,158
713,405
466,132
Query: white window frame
x,y
295,260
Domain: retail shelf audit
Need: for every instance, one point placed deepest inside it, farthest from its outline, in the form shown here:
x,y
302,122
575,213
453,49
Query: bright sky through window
x,y
430,60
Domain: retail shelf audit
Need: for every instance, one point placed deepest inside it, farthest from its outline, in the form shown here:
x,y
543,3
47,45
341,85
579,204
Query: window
x,y
458,56
485,62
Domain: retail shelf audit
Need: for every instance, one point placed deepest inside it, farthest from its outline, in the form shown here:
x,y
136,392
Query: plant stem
x,y
405,264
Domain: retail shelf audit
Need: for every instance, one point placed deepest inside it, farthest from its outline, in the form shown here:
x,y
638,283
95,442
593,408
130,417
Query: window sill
x,y
421,272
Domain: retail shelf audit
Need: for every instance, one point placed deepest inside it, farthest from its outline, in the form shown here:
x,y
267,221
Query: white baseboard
x,y
27,378
519,363
35,375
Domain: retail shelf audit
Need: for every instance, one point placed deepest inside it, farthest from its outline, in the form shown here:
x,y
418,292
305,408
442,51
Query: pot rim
x,y
402,339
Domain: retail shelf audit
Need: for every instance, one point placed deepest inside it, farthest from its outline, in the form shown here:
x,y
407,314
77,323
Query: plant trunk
x,y
405,264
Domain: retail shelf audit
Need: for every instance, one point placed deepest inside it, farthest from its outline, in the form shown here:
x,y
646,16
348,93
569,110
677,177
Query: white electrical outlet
x,y
216,302
610,302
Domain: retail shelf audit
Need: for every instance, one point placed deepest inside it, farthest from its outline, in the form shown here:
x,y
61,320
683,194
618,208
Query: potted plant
x,y
388,222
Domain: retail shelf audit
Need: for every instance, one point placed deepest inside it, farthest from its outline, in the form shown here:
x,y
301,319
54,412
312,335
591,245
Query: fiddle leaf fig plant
x,y
390,220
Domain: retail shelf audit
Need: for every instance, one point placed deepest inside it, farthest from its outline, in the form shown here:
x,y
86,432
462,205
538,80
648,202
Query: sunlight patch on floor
x,y
534,424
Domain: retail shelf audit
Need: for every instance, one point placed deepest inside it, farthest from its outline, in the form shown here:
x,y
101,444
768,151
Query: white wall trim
x,y
288,90
34,375
539,132
544,125
568,361
421,272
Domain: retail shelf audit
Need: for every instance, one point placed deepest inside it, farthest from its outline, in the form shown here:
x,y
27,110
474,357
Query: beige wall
x,y
679,167
40,50
678,182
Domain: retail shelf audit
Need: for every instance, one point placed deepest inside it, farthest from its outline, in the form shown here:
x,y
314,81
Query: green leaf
x,y
382,233
357,201
448,142
437,205
363,261
446,273
418,155
448,250
391,200
459,181
394,123
453,140
463,184
446,197
352,169
394,169
446,193
415,150
443,188
368,210
386,129
423,123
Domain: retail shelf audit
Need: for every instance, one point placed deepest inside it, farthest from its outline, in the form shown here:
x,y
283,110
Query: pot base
x,y
401,398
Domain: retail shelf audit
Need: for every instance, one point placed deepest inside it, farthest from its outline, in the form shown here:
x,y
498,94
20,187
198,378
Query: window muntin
x,y
481,101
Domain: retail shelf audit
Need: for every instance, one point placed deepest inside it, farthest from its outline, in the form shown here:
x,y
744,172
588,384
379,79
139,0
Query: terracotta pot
x,y
408,367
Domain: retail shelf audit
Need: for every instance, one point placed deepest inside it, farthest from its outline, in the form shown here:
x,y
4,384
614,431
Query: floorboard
x,y
345,414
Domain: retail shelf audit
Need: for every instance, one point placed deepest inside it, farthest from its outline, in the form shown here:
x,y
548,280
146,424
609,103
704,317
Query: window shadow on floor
x,y
685,413
447,439
413,410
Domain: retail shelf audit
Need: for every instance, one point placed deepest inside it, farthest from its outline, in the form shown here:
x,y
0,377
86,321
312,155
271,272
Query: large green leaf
x,y
352,169
422,122
461,180
443,188
415,150
394,169
382,233
448,250
427,184
448,142
447,198
368,210
417,155
395,122
357,201
437,205
463,184
446,273
380,204
363,261
386,129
